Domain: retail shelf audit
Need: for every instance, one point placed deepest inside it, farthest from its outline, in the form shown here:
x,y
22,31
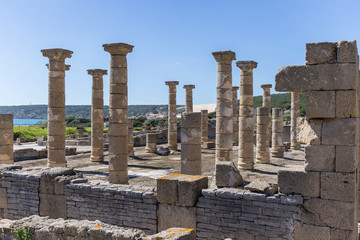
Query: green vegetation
x,y
211,115
23,233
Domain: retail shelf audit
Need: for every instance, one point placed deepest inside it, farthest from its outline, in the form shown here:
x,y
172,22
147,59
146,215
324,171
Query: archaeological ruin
x,y
172,182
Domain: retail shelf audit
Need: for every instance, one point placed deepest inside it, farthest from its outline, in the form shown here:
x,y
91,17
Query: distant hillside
x,y
84,111
282,100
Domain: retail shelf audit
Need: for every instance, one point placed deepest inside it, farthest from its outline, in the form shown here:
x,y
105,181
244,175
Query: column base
x,y
118,177
246,166
296,147
56,164
97,158
172,147
277,154
150,150
262,161
9,162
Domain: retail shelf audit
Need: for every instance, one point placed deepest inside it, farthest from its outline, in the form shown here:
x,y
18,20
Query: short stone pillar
x,y
150,143
118,112
224,111
6,139
277,148
267,103
130,137
295,113
204,126
246,115
18,141
189,98
40,140
191,143
172,124
56,106
262,137
235,116
97,115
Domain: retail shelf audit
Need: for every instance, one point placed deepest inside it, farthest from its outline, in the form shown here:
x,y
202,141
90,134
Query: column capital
x,y
266,86
246,65
97,72
235,88
57,54
118,48
171,83
189,86
224,56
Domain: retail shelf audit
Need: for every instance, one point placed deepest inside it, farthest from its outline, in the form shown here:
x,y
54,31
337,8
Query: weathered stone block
x,y
339,132
227,175
53,206
167,189
335,214
47,179
338,234
347,52
338,186
309,131
298,182
208,145
170,216
346,104
189,189
320,104
3,198
319,158
176,233
316,77
345,158
310,232
321,52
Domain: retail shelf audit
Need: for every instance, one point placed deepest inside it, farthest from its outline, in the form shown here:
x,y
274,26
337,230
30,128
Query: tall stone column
x,y
56,106
172,124
6,139
235,116
118,112
295,113
131,137
277,149
262,137
189,98
246,115
267,104
191,143
97,115
224,111
204,126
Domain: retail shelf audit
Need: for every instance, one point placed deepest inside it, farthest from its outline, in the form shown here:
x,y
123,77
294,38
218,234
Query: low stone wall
x,y
140,138
121,205
31,153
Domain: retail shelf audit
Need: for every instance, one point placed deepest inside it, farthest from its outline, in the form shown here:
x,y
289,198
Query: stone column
x,y
130,137
6,139
267,103
204,126
235,116
97,115
295,113
191,143
224,111
118,112
172,125
262,137
56,106
246,115
189,98
150,143
277,149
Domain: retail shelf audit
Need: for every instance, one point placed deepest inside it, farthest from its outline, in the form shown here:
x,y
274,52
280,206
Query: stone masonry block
x,y
189,189
319,158
342,234
227,175
310,232
320,104
335,214
174,216
346,104
345,158
339,131
309,131
347,52
176,233
298,182
53,206
3,198
47,179
167,189
338,186
321,52
316,77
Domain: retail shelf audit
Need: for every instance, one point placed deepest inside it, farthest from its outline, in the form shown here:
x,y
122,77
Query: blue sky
x,y
173,42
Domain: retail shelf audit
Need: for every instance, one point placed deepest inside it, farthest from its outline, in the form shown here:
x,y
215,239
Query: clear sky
x,y
173,41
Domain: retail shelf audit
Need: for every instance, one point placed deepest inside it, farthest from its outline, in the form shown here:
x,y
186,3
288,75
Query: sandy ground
x,y
144,168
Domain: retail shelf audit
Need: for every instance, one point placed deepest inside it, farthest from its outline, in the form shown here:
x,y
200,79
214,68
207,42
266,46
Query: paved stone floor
x,y
144,168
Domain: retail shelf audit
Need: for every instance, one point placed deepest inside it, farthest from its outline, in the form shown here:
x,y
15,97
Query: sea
x,y
27,122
